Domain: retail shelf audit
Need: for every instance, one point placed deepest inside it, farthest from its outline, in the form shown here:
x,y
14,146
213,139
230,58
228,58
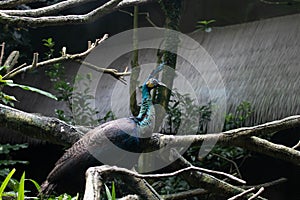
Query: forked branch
x,y
76,57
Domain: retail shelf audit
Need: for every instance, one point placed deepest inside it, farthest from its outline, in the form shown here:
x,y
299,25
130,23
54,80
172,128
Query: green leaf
x,y
108,194
113,191
5,81
21,192
3,67
211,21
32,89
76,197
8,97
37,186
5,182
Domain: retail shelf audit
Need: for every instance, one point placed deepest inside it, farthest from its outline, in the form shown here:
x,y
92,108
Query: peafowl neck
x,y
144,117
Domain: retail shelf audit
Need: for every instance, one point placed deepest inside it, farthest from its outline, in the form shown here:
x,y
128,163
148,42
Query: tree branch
x,y
242,137
96,175
265,147
47,10
267,184
2,52
257,193
238,196
205,181
97,13
40,127
109,169
76,57
11,60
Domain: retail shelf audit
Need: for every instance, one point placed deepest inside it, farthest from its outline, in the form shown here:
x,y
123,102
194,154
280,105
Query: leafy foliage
x,y
220,158
238,119
205,25
18,191
184,114
110,195
7,99
64,197
78,99
225,158
5,149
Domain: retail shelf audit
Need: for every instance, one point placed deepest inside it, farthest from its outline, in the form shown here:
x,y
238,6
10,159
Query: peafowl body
x,y
95,148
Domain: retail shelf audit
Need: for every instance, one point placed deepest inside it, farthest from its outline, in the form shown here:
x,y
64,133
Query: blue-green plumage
x,y
109,143
144,117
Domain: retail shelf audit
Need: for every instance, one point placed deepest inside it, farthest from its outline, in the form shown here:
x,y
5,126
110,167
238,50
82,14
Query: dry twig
x,y
2,52
242,194
257,193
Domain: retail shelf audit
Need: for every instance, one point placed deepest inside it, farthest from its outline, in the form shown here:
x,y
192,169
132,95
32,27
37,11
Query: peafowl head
x,y
154,83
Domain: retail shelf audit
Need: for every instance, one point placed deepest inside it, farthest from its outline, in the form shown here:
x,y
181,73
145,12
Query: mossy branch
x,y
40,127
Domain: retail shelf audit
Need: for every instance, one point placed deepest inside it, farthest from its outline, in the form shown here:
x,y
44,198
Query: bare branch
x,y
109,169
2,52
242,194
47,10
265,147
93,185
113,72
35,126
239,137
275,2
96,175
205,181
76,57
105,9
268,184
267,128
130,197
11,60
231,161
35,60
257,193
297,145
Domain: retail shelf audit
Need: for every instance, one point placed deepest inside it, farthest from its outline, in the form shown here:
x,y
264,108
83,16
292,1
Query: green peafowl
x,y
97,146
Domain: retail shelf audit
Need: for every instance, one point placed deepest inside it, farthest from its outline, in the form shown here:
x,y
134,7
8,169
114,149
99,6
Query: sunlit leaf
x,y
113,191
21,187
32,89
108,194
5,182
